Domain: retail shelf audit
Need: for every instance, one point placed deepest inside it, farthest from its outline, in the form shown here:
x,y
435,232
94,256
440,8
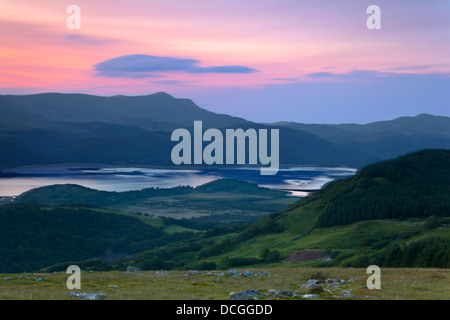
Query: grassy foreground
x,y
396,284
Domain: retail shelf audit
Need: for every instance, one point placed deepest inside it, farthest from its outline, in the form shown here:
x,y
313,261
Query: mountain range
x,y
56,128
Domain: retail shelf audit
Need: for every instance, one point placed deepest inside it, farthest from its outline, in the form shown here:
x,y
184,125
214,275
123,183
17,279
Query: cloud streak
x,y
146,66
417,67
355,75
375,76
86,39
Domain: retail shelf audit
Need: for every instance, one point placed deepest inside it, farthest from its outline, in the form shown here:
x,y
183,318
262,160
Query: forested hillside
x,y
33,236
415,185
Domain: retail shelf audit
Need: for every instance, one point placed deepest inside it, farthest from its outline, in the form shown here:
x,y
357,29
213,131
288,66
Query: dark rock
x,y
245,295
233,273
272,292
285,293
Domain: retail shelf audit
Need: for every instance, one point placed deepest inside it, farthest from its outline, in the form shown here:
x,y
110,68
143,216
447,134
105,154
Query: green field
x,y
396,284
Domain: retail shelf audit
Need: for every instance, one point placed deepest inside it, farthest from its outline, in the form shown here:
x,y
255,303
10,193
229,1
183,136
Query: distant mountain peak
x,y
424,115
161,93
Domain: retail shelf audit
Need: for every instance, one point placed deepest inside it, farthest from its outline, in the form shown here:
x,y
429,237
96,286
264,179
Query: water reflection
x,y
299,180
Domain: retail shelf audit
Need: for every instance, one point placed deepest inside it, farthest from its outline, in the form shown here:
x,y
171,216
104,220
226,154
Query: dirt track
x,y
306,255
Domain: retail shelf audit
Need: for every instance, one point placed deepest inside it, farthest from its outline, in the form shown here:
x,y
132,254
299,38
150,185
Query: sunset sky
x,y
264,60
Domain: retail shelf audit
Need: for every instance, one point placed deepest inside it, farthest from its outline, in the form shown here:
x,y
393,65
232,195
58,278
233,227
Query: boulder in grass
x,y
87,295
245,295
132,269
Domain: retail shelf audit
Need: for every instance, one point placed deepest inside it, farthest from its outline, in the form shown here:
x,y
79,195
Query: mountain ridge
x,y
58,128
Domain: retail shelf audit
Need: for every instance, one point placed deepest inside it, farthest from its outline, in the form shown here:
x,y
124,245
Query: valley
x,y
392,210
396,236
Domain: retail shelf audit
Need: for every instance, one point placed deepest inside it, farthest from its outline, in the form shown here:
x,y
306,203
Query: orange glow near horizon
x,y
39,52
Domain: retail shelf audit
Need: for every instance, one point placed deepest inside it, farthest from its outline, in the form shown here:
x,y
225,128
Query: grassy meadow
x,y
396,284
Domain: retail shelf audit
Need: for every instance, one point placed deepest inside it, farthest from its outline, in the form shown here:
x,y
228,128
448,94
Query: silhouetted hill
x,y
151,112
381,140
72,193
422,124
56,128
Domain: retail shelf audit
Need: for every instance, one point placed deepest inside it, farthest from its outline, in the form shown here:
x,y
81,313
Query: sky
x,y
263,60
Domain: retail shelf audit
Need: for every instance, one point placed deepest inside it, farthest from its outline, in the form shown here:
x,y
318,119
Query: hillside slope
x,y
33,237
416,185
394,213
